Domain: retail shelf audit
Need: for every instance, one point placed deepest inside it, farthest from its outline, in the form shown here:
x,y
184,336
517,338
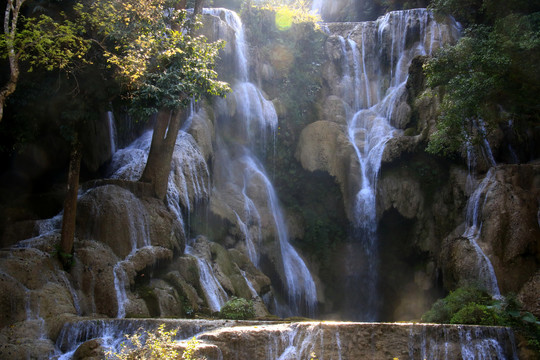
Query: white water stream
x,y
486,274
215,295
375,60
240,138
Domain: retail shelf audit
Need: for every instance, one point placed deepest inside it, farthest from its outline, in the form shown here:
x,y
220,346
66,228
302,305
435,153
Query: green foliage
x,y
297,11
490,74
238,309
470,305
189,351
148,345
475,314
154,53
46,43
444,309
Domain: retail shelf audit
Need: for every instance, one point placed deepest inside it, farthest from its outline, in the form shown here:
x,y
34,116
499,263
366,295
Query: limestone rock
x,y
90,350
203,132
510,224
529,295
509,231
399,146
167,299
110,207
324,146
93,271
334,110
116,217
402,193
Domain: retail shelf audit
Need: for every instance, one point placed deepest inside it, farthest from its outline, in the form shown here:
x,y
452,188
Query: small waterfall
x,y
377,86
112,131
241,135
249,284
33,317
486,274
215,295
300,285
188,186
120,284
189,177
74,296
486,147
112,332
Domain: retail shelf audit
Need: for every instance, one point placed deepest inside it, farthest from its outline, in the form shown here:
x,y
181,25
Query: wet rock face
x,y
509,235
116,217
360,341
219,339
324,146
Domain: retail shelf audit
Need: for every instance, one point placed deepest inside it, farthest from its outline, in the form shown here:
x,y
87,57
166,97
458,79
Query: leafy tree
x,y
40,42
147,47
162,65
490,75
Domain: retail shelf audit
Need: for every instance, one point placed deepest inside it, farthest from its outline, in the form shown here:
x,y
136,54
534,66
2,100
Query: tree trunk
x,y
179,5
197,9
11,17
70,206
159,160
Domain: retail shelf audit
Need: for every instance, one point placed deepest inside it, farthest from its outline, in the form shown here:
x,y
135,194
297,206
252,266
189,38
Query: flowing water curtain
x,y
243,132
374,62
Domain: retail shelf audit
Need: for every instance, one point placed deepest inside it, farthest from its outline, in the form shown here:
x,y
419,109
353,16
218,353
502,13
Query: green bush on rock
x,y
473,306
148,345
238,309
445,309
475,314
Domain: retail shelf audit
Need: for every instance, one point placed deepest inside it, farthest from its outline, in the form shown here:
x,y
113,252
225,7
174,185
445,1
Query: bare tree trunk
x,y
70,206
197,9
11,17
179,5
159,160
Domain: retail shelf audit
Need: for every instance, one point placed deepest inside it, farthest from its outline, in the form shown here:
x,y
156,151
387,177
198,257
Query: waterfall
x,y
242,133
486,274
112,131
215,295
301,289
373,87
188,186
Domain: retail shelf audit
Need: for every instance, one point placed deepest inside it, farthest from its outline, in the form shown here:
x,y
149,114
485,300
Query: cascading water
x,y
188,185
112,131
238,171
373,87
486,274
479,195
216,296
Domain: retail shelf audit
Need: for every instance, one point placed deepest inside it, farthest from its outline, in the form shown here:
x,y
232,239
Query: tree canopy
x,y
491,74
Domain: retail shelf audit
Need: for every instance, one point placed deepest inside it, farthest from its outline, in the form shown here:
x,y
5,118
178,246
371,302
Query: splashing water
x,y
215,295
373,87
486,274
239,138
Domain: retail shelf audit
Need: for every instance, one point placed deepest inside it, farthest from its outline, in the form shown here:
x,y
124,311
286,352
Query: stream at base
x,y
227,339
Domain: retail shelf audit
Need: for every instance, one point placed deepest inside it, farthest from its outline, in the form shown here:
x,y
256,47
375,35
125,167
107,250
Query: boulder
x,y
335,110
529,295
93,274
136,223
324,146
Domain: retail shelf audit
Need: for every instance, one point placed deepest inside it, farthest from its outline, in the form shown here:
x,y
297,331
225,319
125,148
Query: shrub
x,y
444,309
147,345
472,306
475,314
238,309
